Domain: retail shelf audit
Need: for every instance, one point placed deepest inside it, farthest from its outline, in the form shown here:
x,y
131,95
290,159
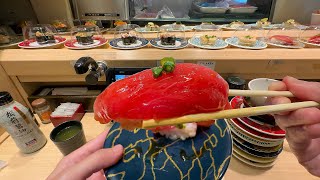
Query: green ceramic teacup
x,y
68,136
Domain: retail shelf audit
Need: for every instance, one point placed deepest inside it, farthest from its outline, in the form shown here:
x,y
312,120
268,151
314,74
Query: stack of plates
x,y
257,140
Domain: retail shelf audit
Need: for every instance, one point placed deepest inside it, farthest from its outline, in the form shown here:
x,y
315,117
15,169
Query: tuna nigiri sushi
x,y
188,89
315,39
282,40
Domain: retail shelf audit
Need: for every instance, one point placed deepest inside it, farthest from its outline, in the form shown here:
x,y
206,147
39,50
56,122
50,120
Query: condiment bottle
x,y
42,108
19,123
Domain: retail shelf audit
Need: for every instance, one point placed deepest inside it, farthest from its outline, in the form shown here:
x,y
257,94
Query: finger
x,y
297,138
279,100
277,86
313,130
97,176
89,148
101,159
302,89
305,116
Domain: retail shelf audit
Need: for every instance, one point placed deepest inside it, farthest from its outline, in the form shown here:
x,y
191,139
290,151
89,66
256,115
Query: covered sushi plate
x,y
126,37
41,36
85,37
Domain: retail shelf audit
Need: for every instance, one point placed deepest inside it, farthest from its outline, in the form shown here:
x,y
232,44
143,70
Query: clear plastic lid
x,y
40,33
285,37
311,36
127,34
85,35
249,37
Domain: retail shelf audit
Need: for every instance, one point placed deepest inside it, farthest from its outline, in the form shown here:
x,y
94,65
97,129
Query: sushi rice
x,y
189,130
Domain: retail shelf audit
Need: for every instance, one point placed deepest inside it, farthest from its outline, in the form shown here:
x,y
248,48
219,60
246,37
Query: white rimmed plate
x,y
220,43
234,41
33,44
97,42
118,44
299,45
306,42
180,44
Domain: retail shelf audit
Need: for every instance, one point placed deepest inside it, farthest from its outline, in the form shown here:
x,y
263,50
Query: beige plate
x,y
254,164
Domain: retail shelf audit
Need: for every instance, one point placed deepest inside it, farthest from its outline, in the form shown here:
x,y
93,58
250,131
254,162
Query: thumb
x,y
303,90
100,159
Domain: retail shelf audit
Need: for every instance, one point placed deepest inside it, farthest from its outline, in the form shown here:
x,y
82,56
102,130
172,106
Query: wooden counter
x,y
39,164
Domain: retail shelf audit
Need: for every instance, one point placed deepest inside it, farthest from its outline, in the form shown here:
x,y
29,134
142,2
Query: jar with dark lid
x,y
42,108
236,82
17,120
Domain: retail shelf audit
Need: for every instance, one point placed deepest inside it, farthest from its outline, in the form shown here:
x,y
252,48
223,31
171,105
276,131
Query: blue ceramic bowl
x,y
150,156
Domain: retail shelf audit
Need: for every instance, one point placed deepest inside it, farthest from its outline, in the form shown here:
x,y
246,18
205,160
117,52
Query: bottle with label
x,y
19,123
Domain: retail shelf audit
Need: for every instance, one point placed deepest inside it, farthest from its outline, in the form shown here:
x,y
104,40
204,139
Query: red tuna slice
x,y
189,89
315,39
286,39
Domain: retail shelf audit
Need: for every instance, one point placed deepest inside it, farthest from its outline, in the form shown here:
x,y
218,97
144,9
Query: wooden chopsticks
x,y
234,113
251,93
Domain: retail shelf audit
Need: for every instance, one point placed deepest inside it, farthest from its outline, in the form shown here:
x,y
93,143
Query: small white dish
x,y
259,84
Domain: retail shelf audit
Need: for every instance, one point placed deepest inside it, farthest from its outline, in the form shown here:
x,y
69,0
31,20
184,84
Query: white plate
x,y
312,44
299,45
233,41
118,44
220,43
97,42
36,45
178,45
248,162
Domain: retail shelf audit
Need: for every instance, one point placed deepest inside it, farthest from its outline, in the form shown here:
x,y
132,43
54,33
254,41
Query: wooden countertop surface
x,y
39,165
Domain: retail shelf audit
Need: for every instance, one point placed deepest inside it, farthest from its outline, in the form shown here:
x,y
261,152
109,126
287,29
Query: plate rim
x,y
254,135
245,47
84,48
204,47
287,47
64,40
246,161
259,130
129,48
167,48
268,144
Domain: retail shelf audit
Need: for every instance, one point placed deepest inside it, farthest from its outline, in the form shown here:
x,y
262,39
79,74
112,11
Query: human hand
x,y
302,126
87,161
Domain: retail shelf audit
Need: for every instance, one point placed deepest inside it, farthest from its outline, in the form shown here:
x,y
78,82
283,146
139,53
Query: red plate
x,y
254,133
237,102
73,44
32,44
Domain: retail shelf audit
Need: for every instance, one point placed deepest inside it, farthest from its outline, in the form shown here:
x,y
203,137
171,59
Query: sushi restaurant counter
x,y
38,165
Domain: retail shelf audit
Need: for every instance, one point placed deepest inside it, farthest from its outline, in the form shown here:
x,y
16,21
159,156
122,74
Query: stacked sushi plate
x,y
257,140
